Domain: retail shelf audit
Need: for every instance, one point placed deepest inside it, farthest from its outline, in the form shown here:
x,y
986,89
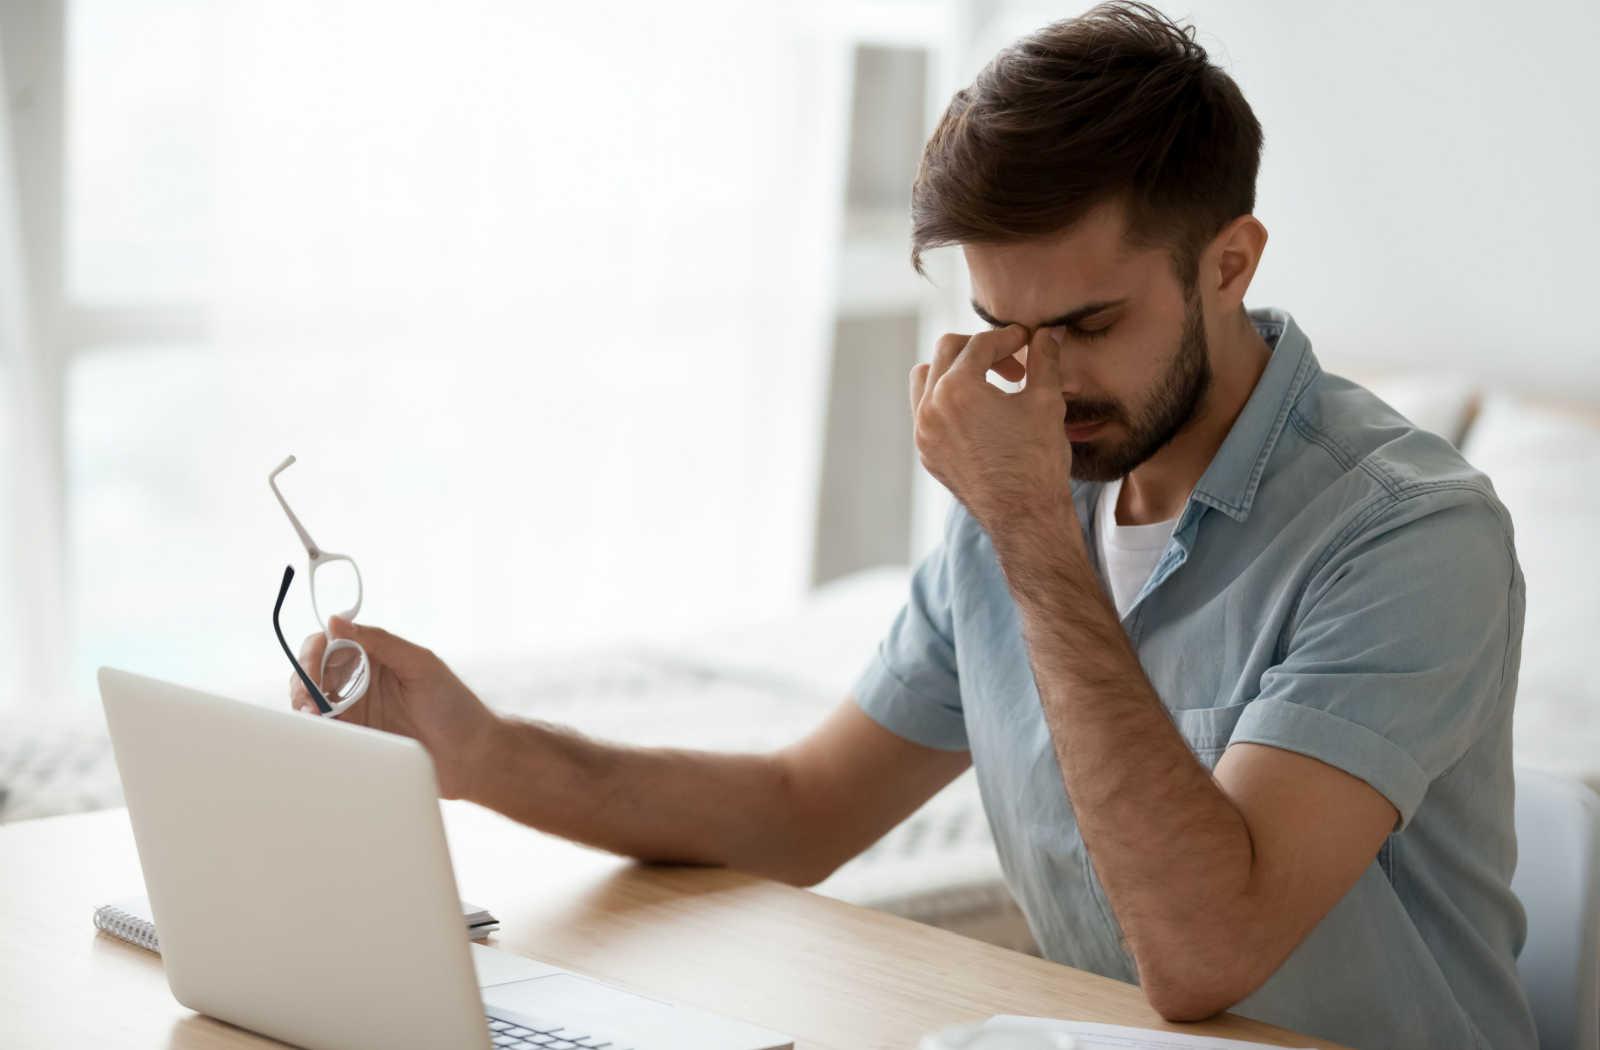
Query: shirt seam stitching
x,y
1379,505
1394,501
1396,488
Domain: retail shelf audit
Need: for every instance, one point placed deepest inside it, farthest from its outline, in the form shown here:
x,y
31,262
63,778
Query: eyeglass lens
x,y
335,586
344,671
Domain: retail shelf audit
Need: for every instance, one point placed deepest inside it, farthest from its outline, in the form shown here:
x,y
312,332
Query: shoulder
x,y
1391,475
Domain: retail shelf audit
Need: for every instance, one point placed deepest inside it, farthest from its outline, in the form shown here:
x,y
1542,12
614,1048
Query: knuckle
x,y
948,397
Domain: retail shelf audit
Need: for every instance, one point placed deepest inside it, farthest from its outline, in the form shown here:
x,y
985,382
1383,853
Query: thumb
x,y
1044,363
381,646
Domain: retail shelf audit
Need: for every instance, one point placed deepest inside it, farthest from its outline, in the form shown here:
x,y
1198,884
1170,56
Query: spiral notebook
x,y
131,921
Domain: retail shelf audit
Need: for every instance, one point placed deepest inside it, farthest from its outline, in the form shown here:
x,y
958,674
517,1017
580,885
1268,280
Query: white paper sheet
x,y
1092,1036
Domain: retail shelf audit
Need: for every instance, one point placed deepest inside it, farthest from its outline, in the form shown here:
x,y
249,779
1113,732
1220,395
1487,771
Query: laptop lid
x,y
297,870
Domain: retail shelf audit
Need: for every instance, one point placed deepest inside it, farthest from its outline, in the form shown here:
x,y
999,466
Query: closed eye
x,y
1085,334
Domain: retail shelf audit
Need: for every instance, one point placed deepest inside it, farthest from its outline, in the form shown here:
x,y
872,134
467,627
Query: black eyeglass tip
x,y
283,591
277,629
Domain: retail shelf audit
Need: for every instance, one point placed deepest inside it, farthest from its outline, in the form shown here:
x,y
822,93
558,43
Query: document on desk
x,y
1087,1035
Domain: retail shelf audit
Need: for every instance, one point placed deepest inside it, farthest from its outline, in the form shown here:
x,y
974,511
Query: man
x,y
1232,646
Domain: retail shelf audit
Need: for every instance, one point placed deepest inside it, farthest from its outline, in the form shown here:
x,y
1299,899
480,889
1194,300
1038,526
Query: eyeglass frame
x,y
317,558
277,629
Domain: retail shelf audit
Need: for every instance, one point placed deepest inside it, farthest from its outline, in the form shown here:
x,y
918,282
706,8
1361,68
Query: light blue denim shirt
x,y
1339,584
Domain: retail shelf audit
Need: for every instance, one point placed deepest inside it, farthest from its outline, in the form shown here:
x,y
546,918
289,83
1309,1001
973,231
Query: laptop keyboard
x,y
553,1037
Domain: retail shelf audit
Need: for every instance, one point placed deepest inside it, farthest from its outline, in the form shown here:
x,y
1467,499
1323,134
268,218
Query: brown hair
x,y
1118,103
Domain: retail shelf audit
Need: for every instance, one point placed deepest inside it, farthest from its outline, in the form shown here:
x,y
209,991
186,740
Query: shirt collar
x,y
1230,482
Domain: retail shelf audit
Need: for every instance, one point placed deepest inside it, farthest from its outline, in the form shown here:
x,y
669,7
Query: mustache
x,y
1082,413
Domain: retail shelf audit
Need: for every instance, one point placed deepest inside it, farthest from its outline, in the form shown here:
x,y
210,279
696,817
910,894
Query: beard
x,y
1173,402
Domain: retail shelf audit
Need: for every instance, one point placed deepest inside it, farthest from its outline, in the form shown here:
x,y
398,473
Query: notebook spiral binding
x,y
129,921
131,928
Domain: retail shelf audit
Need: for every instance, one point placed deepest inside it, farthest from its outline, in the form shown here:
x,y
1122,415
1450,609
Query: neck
x,y
1158,488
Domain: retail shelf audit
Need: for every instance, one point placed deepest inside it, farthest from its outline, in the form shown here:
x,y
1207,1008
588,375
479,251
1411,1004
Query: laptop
x,y
299,878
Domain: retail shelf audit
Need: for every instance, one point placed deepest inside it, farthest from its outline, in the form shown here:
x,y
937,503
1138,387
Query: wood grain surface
x,y
835,976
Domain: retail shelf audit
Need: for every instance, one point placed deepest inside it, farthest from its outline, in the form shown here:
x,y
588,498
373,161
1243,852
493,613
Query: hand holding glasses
x,y
346,670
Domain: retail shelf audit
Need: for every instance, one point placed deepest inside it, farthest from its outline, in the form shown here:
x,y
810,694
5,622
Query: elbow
x,y
1194,992
801,853
1179,1004
807,873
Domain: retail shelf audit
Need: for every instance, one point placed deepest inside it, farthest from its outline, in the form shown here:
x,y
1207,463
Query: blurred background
x,y
589,323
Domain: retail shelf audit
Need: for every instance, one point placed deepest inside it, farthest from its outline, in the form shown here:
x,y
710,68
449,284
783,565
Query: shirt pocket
x,y
1207,730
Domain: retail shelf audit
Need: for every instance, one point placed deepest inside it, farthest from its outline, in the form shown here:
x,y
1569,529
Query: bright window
x,y
536,293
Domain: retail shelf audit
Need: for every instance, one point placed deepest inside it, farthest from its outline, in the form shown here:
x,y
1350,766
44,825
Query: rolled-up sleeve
x,y
1406,647
910,685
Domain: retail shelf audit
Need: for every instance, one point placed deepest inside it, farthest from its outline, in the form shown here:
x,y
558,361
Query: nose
x,y
1071,373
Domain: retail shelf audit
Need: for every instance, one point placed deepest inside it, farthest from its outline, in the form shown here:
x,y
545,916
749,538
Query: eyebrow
x,y
1072,317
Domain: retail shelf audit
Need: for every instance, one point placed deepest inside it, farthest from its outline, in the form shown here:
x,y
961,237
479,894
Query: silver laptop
x,y
301,886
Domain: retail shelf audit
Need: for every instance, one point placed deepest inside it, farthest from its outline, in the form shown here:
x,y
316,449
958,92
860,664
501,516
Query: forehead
x,y
1033,280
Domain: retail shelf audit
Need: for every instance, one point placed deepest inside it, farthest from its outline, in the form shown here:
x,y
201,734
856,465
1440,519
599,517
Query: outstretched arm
x,y
794,814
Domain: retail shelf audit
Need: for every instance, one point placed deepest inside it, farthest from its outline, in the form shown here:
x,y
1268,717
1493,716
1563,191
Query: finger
x,y
311,651
1044,363
310,658
382,647
300,697
944,354
1010,369
986,349
919,383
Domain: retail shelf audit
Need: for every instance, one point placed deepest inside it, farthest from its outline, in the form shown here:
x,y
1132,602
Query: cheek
x,y
1128,369
1109,374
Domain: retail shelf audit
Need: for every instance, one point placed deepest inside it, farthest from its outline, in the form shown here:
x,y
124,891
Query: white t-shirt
x,y
1128,553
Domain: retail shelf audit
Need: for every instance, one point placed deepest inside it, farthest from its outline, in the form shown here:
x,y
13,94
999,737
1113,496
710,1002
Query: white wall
x,y
1429,179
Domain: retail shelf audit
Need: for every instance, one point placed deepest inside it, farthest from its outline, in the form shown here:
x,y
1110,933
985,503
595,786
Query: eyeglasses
x,y
345,668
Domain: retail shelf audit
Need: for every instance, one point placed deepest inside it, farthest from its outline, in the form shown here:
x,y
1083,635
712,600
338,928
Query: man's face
x,y
1133,374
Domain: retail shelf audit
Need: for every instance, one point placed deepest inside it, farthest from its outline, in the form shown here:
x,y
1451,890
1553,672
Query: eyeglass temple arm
x,y
277,610
305,537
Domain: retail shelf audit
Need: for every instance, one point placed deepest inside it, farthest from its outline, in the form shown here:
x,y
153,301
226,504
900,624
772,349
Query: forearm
x,y
655,804
1171,850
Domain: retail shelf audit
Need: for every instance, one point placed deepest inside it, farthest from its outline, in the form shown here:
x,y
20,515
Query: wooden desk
x,y
833,975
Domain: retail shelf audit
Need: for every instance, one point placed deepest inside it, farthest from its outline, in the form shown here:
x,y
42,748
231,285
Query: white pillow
x,y
1545,466
820,646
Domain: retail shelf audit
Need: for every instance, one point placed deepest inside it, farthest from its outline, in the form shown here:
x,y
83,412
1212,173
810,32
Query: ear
x,y
1230,262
